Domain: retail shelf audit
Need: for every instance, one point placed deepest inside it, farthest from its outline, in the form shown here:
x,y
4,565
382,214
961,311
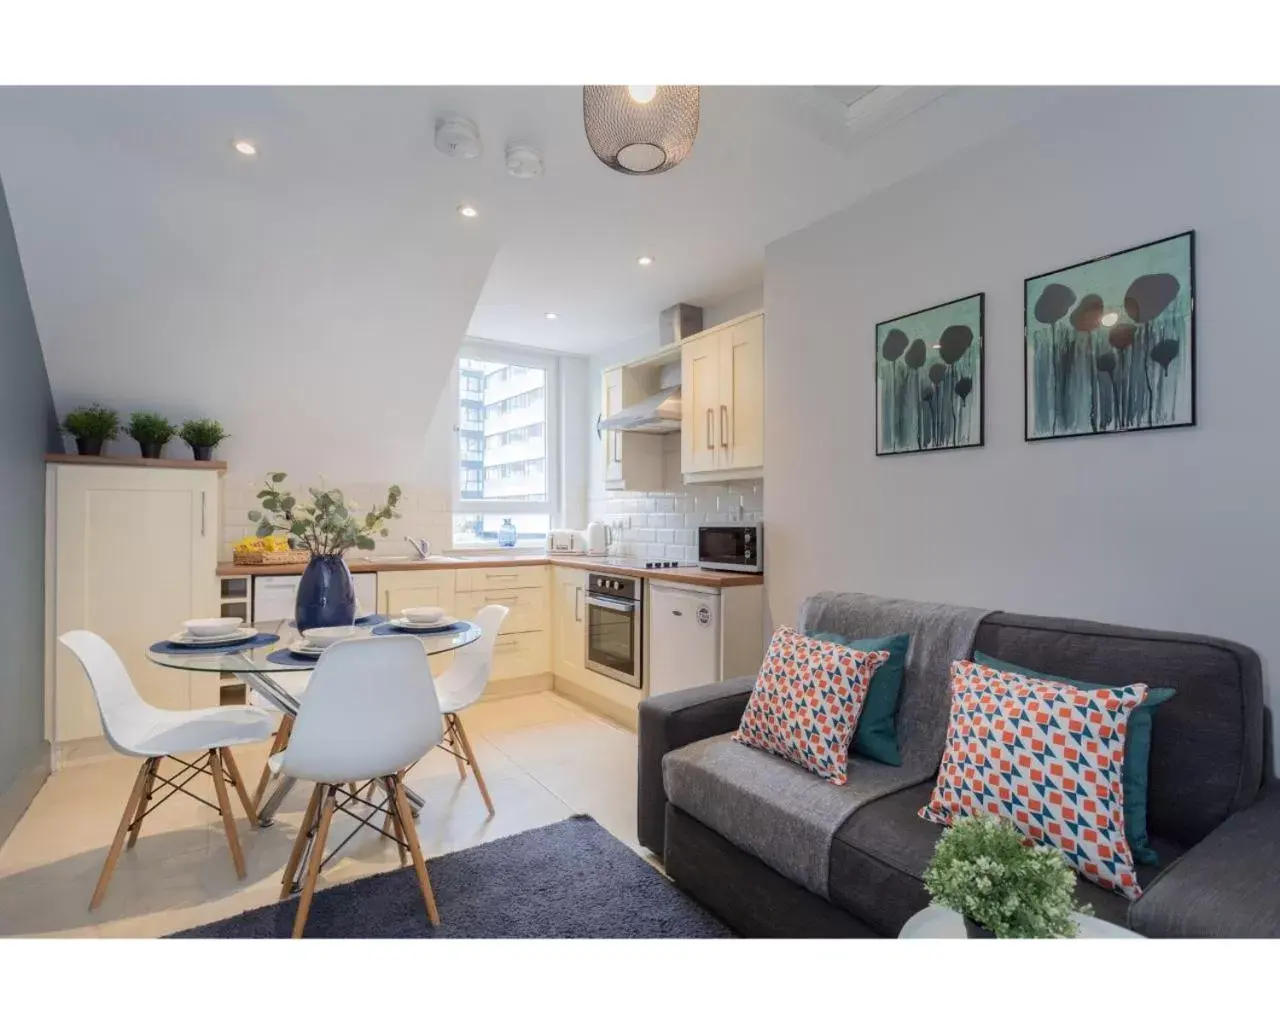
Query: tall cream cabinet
x,y
130,553
722,404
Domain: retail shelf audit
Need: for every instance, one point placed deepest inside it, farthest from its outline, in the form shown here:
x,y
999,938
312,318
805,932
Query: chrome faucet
x,y
422,547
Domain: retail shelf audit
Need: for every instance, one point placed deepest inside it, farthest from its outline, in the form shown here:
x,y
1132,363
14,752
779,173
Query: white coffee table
x,y
941,923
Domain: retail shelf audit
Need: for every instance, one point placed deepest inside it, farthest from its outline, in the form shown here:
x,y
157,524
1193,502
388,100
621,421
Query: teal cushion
x,y
1137,751
877,736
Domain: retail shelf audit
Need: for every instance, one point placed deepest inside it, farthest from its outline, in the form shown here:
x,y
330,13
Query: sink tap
x,y
422,547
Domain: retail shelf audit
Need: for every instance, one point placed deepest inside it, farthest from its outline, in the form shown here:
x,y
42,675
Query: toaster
x,y
566,541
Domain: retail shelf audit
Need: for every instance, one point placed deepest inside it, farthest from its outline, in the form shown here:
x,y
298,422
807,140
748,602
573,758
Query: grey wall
x,y
1168,529
27,431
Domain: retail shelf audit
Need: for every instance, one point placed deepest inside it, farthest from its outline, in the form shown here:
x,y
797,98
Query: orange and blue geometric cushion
x,y
806,702
1047,757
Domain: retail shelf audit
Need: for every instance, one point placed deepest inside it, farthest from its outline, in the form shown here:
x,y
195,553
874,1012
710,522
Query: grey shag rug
x,y
570,880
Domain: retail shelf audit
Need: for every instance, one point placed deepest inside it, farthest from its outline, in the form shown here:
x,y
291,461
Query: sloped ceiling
x,y
312,299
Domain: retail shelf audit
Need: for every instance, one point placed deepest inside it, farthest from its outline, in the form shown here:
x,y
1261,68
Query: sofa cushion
x,y
772,809
877,735
879,856
1207,753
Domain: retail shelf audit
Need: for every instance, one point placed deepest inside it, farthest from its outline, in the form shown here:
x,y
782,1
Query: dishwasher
x,y
684,637
274,597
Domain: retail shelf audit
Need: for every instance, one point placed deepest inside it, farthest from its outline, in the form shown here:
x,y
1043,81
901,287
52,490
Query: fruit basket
x,y
267,551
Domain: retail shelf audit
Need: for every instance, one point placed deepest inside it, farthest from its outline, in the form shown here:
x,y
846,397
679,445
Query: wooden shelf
x,y
133,460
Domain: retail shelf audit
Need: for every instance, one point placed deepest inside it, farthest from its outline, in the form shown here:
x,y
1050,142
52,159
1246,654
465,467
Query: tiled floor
x,y
543,757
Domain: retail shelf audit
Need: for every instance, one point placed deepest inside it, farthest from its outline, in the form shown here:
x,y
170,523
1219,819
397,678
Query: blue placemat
x,y
364,620
231,647
390,630
287,657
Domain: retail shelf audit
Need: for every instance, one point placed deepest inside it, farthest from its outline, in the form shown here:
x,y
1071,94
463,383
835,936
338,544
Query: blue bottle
x,y
507,533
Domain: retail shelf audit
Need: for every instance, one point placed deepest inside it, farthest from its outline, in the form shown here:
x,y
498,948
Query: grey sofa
x,y
1214,816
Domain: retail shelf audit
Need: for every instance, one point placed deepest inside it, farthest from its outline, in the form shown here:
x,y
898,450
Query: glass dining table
x,y
278,682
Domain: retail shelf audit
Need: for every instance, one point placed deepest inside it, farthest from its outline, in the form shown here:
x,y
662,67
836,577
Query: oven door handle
x,y
609,602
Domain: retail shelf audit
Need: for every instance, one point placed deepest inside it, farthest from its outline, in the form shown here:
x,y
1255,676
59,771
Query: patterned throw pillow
x,y
1048,757
807,700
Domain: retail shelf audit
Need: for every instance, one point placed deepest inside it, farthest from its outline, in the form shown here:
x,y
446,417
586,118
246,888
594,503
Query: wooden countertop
x,y
694,577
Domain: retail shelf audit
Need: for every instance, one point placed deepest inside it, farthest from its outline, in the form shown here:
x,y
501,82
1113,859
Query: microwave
x,y
734,548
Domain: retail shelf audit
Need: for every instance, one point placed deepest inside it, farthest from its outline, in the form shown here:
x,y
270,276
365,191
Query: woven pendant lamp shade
x,y
641,138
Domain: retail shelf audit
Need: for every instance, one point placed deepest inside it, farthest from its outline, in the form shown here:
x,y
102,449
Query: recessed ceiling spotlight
x,y
244,147
551,316
1110,319
642,93
467,210
644,261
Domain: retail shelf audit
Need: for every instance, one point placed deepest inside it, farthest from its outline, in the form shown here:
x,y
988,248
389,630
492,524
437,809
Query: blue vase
x,y
326,594
507,534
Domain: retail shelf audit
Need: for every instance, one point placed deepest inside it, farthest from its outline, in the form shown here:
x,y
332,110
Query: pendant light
x,y
641,129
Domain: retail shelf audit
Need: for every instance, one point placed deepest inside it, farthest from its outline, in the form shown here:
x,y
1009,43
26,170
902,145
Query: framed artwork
x,y
1110,344
929,379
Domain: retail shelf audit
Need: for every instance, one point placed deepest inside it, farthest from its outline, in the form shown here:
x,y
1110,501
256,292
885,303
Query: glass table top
x,y
255,659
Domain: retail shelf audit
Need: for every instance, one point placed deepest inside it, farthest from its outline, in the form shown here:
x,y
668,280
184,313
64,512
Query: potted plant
x,y
1003,885
327,526
152,432
91,426
203,436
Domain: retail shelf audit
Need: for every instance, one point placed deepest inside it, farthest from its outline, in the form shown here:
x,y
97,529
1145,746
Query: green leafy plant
x,y
985,869
92,423
329,525
150,428
203,433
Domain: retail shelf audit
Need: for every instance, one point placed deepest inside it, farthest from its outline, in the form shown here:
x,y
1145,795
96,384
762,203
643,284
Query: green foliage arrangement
x,y
203,433
150,428
985,869
329,525
92,423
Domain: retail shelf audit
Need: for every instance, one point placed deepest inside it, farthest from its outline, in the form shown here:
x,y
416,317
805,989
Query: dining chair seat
x,y
162,733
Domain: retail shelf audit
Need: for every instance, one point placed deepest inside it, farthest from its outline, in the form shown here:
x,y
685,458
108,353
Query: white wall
x,y
1169,529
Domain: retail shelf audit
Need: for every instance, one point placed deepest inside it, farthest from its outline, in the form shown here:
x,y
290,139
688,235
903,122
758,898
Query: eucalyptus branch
x,y
327,525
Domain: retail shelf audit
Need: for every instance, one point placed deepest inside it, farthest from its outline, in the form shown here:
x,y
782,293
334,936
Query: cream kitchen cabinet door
x,y
415,588
741,422
700,370
632,461
611,401
569,622
132,552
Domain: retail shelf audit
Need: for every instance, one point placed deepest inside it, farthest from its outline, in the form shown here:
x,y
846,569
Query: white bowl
x,y
323,636
211,627
422,616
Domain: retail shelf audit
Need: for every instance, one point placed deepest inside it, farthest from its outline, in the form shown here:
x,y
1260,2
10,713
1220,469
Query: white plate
x,y
186,640
422,616
425,627
305,650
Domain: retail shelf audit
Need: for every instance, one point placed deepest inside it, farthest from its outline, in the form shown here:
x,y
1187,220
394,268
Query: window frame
x,y
531,358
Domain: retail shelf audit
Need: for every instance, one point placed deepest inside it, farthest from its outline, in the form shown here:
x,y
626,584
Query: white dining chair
x,y
138,729
462,685
370,713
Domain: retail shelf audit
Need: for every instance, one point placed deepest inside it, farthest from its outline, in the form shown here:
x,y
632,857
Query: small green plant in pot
x,y
92,426
1004,886
152,432
203,436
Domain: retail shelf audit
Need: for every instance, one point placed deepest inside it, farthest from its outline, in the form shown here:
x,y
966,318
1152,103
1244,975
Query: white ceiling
x,y
159,260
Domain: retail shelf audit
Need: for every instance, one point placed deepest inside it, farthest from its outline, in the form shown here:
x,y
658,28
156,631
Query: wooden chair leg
x,y
153,766
300,844
233,769
117,844
452,739
313,865
278,744
393,823
475,766
224,805
415,851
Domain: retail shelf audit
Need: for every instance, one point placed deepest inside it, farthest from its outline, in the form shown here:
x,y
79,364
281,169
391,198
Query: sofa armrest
x,y
675,720
1223,887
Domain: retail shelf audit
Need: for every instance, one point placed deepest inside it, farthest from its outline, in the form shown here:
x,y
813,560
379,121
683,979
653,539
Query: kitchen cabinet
x,y
131,552
632,461
722,404
568,614
432,588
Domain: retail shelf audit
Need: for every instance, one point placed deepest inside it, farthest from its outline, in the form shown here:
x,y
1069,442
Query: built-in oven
x,y
735,548
614,607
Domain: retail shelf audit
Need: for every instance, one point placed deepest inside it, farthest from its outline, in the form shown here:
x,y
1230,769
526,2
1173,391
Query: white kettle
x,y
597,535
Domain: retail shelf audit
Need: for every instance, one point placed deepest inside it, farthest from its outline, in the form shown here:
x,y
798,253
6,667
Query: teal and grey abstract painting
x,y
929,379
1110,344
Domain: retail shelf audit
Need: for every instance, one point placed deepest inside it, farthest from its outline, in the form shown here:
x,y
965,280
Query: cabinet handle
x,y
502,575
203,501
617,438
506,644
724,429
577,604
711,430
490,598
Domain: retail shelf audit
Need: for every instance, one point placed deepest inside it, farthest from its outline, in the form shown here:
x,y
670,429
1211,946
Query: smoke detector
x,y
524,162
458,137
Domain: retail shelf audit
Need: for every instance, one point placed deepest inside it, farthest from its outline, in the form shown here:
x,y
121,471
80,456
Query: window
x,y
507,466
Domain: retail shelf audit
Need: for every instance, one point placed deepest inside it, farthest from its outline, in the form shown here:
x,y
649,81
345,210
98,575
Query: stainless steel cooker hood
x,y
659,413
